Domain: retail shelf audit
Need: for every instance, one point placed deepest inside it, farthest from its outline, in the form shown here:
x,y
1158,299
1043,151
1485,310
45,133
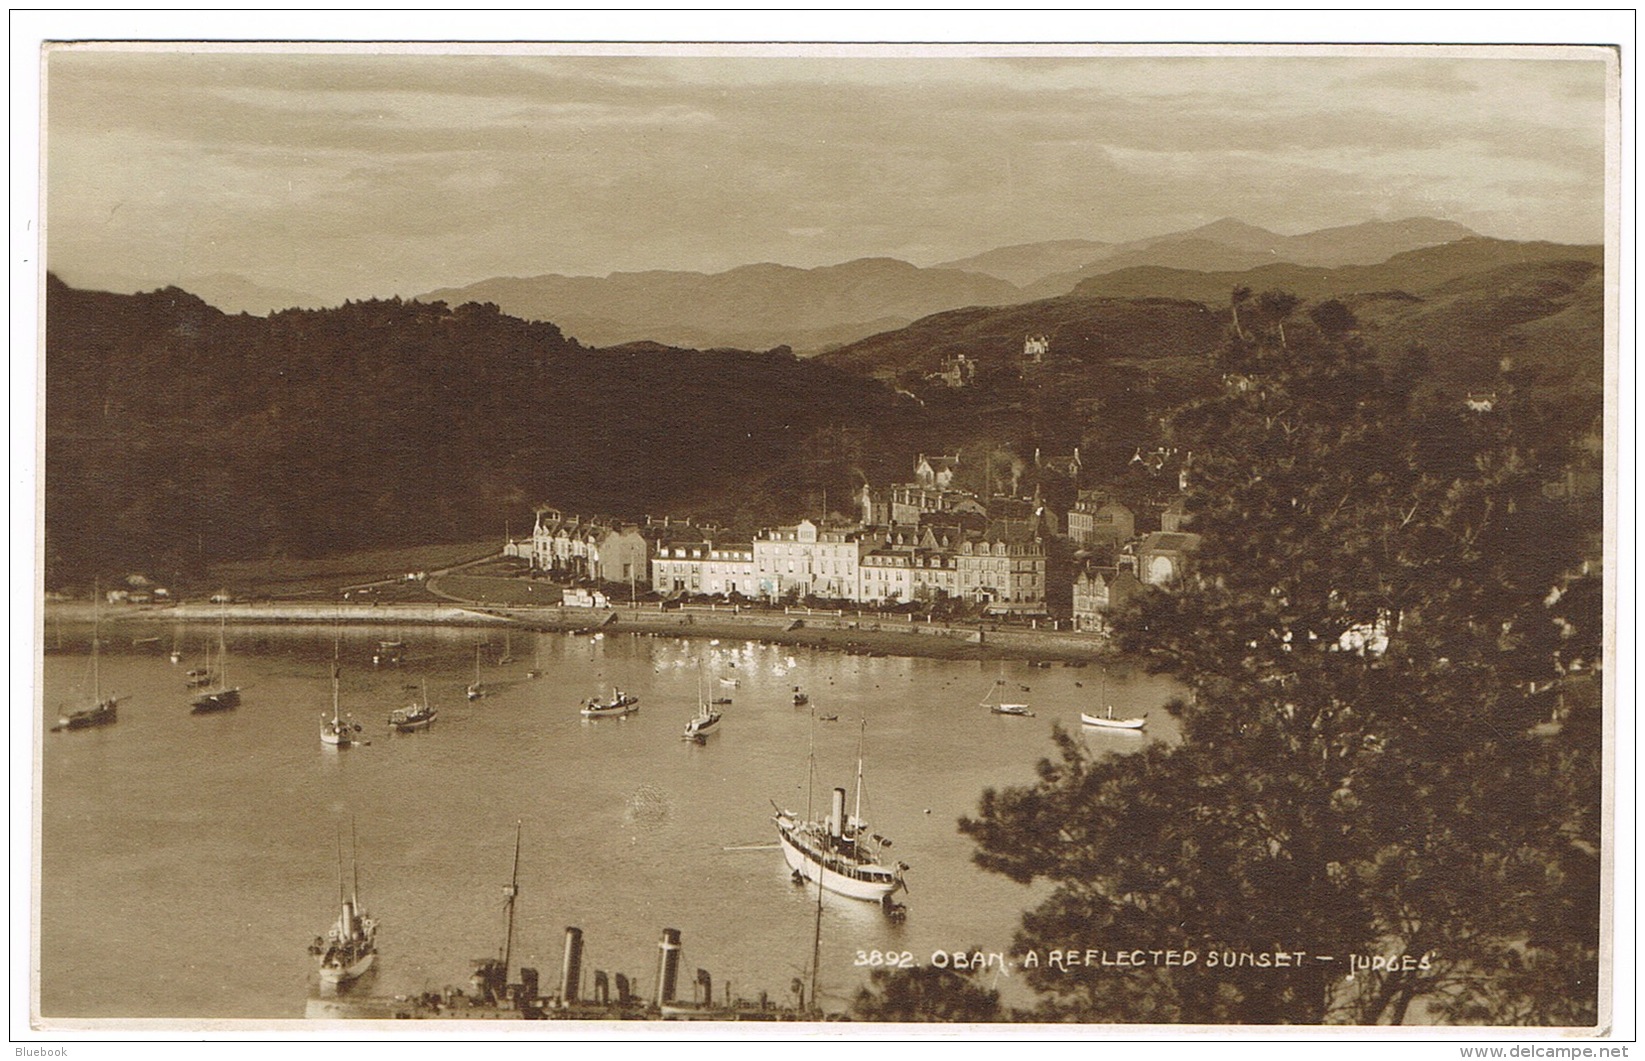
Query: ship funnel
x,y
836,816
571,972
668,965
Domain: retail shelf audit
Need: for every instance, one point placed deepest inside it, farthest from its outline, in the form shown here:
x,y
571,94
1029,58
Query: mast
x,y
857,812
816,942
509,893
96,676
222,647
354,840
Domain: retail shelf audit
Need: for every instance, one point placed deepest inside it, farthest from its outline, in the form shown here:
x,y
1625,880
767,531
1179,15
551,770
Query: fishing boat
x,y
536,670
476,688
995,700
221,696
349,948
508,650
838,852
721,700
419,715
800,697
388,653
1108,721
340,730
731,682
103,710
705,721
621,703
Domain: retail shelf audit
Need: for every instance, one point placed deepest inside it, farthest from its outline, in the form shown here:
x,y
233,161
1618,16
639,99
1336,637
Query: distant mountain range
x,y
757,307
1468,304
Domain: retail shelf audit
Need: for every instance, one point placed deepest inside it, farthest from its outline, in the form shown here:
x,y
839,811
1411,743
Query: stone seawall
x,y
849,631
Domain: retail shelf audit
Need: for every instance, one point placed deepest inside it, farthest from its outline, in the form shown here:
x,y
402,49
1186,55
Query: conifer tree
x,y
1390,746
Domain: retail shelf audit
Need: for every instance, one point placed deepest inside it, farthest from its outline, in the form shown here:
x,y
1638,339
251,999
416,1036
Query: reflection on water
x,y
188,860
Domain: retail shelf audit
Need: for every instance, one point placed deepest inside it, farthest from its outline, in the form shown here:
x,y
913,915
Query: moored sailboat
x,y
340,730
103,710
995,700
1108,721
221,696
705,721
840,852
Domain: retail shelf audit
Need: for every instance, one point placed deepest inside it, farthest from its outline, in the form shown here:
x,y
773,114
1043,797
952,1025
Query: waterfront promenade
x,y
865,632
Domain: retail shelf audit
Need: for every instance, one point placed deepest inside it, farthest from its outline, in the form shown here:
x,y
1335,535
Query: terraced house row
x,y
923,541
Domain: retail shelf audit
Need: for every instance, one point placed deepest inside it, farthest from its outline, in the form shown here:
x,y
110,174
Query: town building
x,y
1098,592
808,559
705,567
1164,558
1004,566
572,547
1097,521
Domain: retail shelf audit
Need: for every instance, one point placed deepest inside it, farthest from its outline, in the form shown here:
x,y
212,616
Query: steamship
x,y
350,947
840,852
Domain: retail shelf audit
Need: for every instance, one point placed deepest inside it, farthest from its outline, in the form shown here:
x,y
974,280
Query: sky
x,y
343,175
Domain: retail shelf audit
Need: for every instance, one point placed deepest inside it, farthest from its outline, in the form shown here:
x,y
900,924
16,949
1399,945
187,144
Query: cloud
x,y
321,172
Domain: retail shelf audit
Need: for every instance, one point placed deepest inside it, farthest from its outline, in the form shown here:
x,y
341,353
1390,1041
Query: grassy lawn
x,y
326,576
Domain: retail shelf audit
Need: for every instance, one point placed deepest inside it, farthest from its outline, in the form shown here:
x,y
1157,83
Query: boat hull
x,y
1113,723
608,712
800,862
342,974
697,729
216,700
412,725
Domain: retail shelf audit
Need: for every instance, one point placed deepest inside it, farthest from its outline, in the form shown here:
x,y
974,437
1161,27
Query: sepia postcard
x,y
835,541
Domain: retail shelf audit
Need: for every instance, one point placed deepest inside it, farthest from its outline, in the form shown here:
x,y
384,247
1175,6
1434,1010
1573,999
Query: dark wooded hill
x,y
176,434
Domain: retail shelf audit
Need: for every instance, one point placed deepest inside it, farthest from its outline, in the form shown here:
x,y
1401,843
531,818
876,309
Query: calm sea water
x,y
187,861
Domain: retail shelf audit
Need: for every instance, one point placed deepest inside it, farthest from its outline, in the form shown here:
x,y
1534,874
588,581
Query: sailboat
x,y
103,710
477,688
220,696
840,852
1108,721
536,670
419,715
508,650
340,730
705,721
349,948
995,700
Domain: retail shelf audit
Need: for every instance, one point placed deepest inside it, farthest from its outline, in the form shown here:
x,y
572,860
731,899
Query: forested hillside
x,y
176,434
